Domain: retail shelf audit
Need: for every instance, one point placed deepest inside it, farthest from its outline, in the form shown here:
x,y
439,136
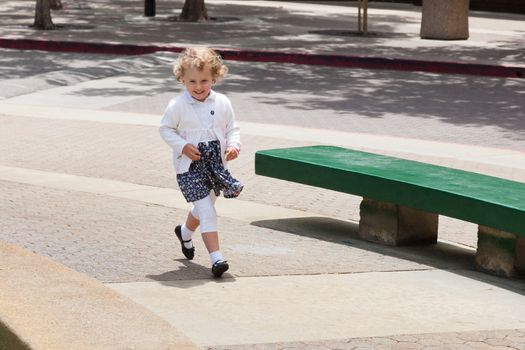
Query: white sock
x,y
216,256
186,235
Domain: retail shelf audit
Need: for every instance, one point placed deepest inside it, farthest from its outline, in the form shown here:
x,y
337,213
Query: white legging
x,y
204,211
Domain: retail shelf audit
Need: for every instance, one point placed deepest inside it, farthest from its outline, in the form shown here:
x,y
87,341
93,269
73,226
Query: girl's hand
x,y
231,153
191,152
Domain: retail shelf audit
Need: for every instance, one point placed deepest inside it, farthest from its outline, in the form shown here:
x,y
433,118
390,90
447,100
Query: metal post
x,y
149,8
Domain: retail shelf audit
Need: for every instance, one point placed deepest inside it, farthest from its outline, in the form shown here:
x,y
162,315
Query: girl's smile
x,y
198,82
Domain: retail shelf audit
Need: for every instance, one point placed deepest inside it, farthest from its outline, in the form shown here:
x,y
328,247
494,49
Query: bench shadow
x,y
190,274
443,256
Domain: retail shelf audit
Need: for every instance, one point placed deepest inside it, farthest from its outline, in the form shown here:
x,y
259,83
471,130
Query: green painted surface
x,y
473,197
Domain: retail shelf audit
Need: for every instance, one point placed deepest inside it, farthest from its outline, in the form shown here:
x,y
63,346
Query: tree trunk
x,y
43,15
194,11
362,20
56,4
445,19
359,25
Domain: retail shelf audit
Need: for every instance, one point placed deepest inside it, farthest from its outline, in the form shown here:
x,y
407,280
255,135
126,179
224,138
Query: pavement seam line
x,y
239,210
299,274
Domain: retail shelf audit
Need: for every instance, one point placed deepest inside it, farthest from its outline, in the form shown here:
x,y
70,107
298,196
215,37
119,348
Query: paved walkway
x,y
87,183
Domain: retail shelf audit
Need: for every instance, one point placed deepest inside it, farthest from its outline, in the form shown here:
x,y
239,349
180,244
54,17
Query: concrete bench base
x,y
395,225
500,252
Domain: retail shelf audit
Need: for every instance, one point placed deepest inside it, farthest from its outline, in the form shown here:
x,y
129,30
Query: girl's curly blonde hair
x,y
198,58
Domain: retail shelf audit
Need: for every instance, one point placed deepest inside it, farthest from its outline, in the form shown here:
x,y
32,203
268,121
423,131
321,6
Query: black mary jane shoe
x,y
189,253
219,268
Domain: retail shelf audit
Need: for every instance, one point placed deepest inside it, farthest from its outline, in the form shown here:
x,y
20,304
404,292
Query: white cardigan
x,y
180,125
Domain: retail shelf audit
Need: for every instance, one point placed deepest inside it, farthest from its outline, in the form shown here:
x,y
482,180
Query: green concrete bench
x,y
402,199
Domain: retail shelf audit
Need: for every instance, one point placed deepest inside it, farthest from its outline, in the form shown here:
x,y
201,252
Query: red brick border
x,y
365,62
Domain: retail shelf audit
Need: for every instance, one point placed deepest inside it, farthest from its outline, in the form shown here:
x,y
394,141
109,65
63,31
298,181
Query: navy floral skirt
x,y
207,174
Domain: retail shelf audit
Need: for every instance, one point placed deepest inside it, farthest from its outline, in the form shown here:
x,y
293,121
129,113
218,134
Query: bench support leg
x,y
395,225
500,252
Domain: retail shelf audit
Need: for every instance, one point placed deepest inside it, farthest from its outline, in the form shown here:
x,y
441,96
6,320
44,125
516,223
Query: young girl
x,y
200,127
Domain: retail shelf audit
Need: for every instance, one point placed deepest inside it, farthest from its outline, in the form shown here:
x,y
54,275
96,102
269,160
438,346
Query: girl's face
x,y
198,82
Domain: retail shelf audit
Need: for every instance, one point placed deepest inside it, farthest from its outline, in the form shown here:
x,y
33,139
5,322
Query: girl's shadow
x,y
190,274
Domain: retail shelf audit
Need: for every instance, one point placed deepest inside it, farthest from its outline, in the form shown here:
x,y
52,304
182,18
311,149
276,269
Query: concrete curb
x,y
364,62
45,305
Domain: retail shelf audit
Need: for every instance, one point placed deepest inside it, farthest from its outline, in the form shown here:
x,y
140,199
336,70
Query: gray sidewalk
x,y
88,184
313,27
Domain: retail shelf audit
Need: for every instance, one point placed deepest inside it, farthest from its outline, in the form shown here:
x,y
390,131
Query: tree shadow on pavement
x,y
448,108
18,64
442,256
445,107
456,99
